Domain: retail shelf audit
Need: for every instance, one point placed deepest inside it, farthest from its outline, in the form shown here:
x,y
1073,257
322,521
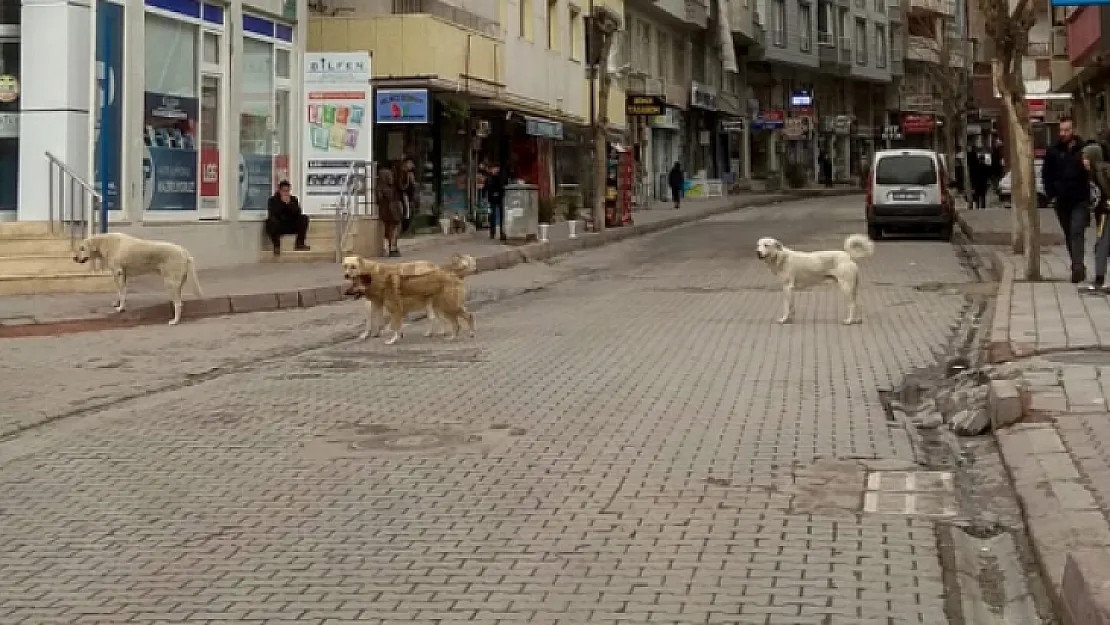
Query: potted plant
x,y
572,217
546,216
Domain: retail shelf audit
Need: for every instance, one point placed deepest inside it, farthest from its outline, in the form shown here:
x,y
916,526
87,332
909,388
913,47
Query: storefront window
x,y
9,124
171,114
256,124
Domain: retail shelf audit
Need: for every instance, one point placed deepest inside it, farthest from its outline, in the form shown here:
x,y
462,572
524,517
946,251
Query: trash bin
x,y
522,211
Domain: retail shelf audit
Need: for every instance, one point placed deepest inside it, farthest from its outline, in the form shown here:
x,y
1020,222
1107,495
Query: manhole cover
x,y
1080,357
911,493
414,441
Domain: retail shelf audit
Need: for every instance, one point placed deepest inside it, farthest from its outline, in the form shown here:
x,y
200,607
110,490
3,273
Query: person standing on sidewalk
x,y
389,207
495,195
1099,168
1067,185
675,180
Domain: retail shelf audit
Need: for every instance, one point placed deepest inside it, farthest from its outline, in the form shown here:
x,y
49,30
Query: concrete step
x,y
27,245
24,228
56,283
40,264
297,256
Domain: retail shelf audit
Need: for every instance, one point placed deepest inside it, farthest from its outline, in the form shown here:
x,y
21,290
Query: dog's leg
x,y
396,323
121,290
369,329
175,294
469,317
850,288
433,320
377,320
787,303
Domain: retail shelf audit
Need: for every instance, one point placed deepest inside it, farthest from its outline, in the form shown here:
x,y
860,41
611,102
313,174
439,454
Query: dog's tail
x,y
193,279
462,265
859,246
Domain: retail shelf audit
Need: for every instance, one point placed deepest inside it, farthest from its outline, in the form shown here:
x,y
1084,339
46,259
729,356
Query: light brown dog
x,y
400,288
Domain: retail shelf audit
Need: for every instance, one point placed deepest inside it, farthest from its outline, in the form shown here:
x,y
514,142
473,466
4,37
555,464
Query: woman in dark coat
x,y
386,196
980,179
675,180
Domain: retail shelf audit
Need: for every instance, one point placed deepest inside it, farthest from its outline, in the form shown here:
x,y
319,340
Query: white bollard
x,y
543,232
572,229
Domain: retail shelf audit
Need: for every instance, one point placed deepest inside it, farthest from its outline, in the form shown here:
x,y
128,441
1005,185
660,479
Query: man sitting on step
x,y
284,216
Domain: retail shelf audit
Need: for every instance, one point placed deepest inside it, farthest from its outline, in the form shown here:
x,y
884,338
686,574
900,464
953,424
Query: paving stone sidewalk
x,y
265,286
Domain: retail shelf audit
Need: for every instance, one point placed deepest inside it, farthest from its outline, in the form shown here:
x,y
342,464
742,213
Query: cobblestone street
x,y
611,448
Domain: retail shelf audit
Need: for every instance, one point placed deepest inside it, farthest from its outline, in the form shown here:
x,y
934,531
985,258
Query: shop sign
x,y
768,119
671,119
801,99
794,128
401,106
842,124
732,125
536,127
917,124
703,96
644,105
1037,108
9,88
892,133
337,136
209,177
9,125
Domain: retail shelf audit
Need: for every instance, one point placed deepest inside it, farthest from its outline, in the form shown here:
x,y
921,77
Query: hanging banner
x,y
338,128
109,90
170,163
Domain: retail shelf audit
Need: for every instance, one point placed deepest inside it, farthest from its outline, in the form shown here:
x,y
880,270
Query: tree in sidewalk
x,y
949,81
603,28
1007,27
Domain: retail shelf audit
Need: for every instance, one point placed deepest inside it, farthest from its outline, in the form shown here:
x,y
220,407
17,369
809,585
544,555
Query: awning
x,y
539,127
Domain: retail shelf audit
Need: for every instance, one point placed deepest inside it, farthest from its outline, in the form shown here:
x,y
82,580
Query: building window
x,y
663,56
171,109
1044,68
880,46
265,117
825,25
880,7
643,47
845,30
806,27
778,25
861,42
575,19
526,19
552,24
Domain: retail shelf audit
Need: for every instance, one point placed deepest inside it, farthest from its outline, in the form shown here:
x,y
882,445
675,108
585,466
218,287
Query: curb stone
x,y
1000,238
317,296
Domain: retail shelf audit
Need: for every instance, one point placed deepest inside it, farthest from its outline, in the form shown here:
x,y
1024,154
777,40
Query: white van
x,y
909,191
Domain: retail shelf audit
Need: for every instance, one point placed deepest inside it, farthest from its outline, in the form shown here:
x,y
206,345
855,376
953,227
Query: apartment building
x,y
934,36
500,82
1077,68
820,71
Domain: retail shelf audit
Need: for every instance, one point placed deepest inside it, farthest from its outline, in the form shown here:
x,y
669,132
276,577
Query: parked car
x,y
909,190
1005,194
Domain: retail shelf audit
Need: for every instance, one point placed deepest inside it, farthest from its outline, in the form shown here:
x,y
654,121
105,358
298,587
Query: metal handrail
x,y
74,202
355,182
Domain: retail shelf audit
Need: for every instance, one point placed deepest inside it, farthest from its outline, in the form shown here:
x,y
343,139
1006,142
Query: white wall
x,y
539,76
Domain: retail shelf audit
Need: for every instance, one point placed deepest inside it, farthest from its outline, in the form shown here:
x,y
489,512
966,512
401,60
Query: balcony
x,y
934,7
416,46
484,24
927,50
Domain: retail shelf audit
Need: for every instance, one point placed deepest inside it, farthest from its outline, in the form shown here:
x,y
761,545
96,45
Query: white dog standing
x,y
801,270
127,256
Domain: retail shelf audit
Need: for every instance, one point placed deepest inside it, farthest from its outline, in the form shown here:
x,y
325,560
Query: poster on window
x,y
109,92
170,160
337,124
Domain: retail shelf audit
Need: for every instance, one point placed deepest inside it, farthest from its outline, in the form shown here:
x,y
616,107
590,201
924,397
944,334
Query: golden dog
x,y
400,288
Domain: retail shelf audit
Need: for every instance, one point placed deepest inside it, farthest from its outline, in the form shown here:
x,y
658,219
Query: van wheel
x,y
874,233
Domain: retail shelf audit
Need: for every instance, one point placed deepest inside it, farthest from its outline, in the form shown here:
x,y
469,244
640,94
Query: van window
x,y
903,170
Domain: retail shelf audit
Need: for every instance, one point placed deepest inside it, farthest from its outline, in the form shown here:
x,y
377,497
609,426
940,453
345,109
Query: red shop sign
x,y
771,115
209,172
917,124
1037,107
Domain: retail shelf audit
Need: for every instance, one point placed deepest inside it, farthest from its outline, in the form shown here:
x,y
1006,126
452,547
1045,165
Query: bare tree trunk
x,y
1026,236
601,153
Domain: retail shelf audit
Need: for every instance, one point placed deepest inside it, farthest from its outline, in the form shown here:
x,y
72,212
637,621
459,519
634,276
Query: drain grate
x,y
911,493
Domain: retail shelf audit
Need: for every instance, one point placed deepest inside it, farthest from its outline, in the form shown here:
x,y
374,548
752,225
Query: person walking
x,y
825,163
406,185
389,207
1094,159
675,180
980,175
1067,185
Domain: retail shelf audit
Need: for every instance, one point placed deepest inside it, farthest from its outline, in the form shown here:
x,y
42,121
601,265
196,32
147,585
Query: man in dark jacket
x,y
495,195
284,216
1067,185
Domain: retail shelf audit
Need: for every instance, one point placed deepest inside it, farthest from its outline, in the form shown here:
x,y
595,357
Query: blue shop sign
x,y
537,127
401,106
